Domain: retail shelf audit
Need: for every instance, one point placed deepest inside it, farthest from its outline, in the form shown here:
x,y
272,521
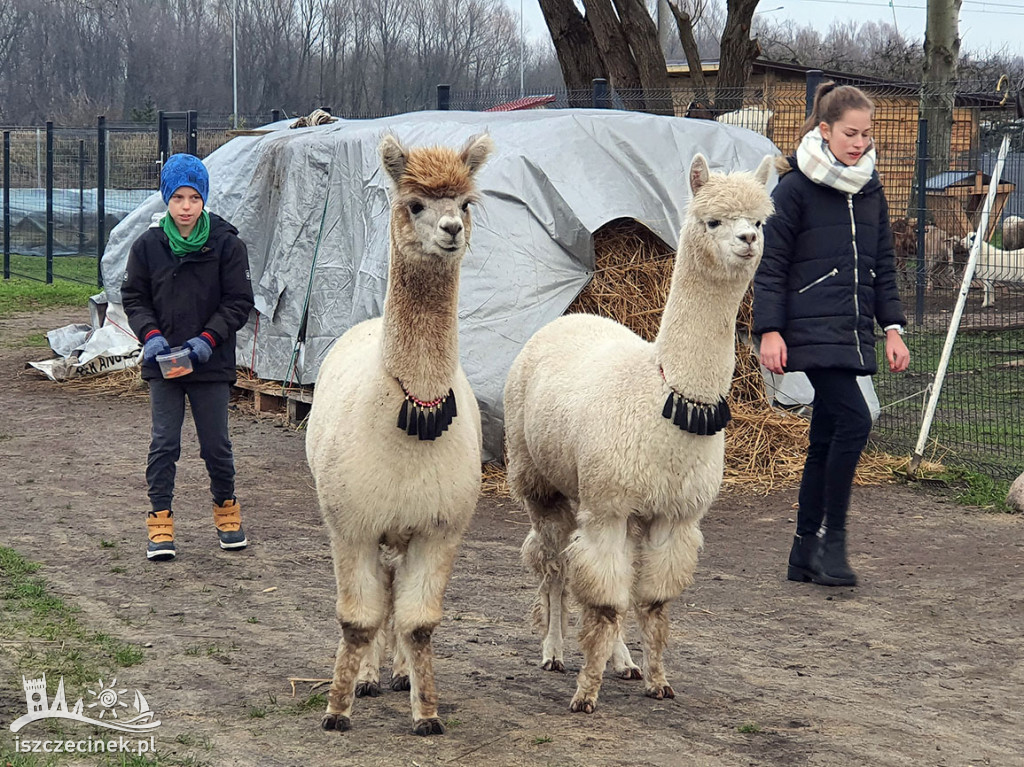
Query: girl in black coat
x,y
187,285
827,275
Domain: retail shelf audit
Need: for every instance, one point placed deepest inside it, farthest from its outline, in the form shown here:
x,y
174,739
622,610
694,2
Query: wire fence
x,y
56,217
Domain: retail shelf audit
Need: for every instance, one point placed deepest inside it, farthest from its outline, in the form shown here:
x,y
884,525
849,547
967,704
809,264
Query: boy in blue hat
x,y
187,285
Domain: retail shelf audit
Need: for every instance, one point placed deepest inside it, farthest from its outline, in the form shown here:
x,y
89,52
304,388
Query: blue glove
x,y
156,344
199,349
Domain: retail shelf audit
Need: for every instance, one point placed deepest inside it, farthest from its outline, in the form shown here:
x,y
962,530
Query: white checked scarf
x,y
817,162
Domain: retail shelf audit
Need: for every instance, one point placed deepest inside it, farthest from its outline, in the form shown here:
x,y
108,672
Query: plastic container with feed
x,y
175,364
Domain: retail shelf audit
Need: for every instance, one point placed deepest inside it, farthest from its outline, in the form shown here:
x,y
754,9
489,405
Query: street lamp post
x,y
522,90
234,65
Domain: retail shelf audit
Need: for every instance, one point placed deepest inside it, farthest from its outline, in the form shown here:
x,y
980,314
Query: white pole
x,y
522,47
234,64
961,301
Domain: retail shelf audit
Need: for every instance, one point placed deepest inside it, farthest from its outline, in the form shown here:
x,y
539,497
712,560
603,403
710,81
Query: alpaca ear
x,y
764,170
476,151
393,157
699,173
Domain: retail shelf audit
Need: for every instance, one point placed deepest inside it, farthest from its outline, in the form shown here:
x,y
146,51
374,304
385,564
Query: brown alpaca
x,y
394,439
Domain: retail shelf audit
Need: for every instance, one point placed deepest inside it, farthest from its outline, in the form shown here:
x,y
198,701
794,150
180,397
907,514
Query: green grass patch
x,y
979,419
80,269
20,295
36,340
749,728
44,634
973,488
315,702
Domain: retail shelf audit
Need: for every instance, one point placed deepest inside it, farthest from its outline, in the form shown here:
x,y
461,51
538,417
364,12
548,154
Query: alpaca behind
x,y
614,445
394,439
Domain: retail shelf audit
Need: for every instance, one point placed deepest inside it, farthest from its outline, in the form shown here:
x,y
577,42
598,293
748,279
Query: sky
x,y
984,26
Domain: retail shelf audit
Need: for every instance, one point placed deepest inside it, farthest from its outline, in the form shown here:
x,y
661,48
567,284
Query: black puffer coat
x,y
827,273
182,297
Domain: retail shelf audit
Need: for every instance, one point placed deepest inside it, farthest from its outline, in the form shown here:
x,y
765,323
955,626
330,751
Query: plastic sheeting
x,y
312,206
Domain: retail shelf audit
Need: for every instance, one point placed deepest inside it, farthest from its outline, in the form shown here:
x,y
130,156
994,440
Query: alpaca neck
x,y
695,345
421,334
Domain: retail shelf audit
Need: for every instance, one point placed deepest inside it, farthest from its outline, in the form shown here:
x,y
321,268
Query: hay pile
x,y
119,383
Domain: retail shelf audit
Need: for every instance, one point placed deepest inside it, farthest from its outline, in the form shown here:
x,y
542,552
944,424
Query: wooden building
x,y
780,90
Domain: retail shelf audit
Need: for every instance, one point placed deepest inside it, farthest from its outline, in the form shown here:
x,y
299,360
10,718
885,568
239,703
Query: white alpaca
x,y
995,264
1013,233
396,466
614,445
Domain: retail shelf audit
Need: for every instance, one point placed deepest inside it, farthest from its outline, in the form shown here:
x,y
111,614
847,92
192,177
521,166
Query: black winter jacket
x,y
182,297
827,273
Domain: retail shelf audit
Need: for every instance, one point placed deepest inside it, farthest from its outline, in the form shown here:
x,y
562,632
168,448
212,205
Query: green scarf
x,y
181,246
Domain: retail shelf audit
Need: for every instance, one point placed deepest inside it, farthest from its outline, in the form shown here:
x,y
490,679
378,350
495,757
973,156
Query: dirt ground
x,y
921,665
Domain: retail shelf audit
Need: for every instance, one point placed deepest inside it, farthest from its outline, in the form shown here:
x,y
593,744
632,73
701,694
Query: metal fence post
x,y
444,97
814,79
101,198
81,196
7,205
49,202
192,131
599,87
922,209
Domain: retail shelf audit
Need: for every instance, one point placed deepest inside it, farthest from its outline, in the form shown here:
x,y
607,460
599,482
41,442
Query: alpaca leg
x,y
361,607
419,585
543,552
622,661
368,680
599,566
668,559
399,664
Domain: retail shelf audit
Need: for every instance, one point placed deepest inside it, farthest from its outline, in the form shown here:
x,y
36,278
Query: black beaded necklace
x,y
426,420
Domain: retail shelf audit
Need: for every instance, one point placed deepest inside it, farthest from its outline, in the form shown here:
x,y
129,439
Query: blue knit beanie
x,y
184,170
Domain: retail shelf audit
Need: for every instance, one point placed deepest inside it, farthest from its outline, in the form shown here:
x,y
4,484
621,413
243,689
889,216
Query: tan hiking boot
x,y
228,520
160,525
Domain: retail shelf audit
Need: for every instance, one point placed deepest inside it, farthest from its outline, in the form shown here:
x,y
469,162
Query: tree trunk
x,y
623,74
575,47
641,35
701,97
941,53
738,54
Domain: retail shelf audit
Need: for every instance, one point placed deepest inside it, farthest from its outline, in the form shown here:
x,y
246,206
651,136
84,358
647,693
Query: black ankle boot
x,y
829,566
801,556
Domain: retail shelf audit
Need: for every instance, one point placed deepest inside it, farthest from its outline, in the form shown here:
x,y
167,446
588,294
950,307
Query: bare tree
x,y
941,53
575,44
738,54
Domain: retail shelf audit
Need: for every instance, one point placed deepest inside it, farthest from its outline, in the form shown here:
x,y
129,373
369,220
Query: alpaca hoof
x,y
630,672
367,690
430,726
554,665
336,722
659,693
582,705
400,683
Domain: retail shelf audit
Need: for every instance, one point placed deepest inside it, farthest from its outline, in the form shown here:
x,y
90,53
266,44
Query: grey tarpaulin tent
x,y
312,205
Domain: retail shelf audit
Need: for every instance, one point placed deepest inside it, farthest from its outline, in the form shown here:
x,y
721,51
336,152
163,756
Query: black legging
x,y
840,426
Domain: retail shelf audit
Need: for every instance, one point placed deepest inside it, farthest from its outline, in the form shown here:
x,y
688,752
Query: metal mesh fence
x,y
933,209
